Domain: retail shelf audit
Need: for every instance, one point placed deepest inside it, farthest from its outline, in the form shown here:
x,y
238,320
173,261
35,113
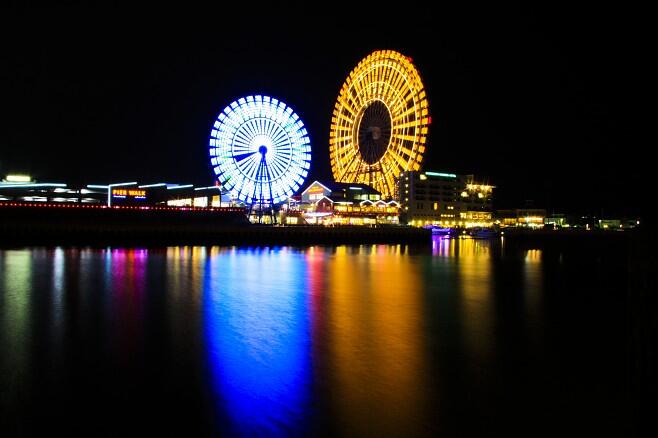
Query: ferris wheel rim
x,y
389,77
257,144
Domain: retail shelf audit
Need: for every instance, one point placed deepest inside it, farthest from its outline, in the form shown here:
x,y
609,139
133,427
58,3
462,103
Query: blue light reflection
x,y
257,330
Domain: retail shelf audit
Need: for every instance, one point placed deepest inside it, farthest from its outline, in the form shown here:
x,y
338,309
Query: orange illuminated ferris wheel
x,y
379,124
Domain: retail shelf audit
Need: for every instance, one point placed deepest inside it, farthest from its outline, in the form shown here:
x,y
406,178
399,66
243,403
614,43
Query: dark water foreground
x,y
459,337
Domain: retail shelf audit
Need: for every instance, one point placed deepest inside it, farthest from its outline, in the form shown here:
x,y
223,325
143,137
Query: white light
x,y
18,178
24,186
152,185
245,126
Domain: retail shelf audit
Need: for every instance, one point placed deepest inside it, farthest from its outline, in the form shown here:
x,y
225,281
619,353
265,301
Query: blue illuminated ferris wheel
x,y
260,152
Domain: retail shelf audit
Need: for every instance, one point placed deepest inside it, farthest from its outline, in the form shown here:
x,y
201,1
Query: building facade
x,y
120,194
332,203
444,199
522,217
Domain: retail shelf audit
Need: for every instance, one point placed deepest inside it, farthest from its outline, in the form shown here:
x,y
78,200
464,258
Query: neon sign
x,y
129,193
314,190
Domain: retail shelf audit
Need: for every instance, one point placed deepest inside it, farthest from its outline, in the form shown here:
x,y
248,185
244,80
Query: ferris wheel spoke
x,y
241,157
249,168
281,142
285,149
276,167
402,114
243,137
241,143
352,164
270,128
280,167
278,135
249,131
275,130
262,126
348,106
282,147
283,159
275,173
282,155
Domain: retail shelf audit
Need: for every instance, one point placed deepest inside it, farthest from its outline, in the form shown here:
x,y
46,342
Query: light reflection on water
x,y
257,330
348,340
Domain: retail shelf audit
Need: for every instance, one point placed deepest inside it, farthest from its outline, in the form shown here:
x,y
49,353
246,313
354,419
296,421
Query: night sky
x,y
540,102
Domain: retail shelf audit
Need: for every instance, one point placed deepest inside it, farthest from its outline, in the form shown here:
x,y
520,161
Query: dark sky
x,y
540,102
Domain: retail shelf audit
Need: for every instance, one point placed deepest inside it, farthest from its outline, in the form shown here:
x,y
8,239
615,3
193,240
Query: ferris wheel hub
x,y
374,132
262,149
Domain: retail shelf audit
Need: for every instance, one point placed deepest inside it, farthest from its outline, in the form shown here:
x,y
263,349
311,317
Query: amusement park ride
x,y
261,152
380,120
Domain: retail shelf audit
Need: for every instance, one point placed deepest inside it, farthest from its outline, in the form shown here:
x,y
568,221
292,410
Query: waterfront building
x,y
26,189
522,217
556,220
29,190
444,199
618,224
332,203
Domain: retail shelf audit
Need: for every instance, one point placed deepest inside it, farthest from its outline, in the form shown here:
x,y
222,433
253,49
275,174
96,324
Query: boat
x,y
441,231
483,233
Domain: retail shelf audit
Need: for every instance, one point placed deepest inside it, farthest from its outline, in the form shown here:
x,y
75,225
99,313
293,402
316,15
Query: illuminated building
x,y
116,194
522,217
380,122
610,224
445,199
17,179
556,220
345,204
260,152
39,192
618,224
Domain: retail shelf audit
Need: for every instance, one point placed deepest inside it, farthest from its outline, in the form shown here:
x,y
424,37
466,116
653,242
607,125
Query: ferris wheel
x,y
380,122
260,152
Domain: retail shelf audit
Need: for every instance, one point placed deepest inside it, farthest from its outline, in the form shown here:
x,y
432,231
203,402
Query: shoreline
x,y
250,235
28,226
34,225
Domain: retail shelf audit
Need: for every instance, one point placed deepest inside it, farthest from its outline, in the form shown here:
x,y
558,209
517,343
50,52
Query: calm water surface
x,y
461,337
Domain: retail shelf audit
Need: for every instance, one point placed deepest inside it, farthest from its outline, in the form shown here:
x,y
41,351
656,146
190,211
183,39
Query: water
x,y
464,337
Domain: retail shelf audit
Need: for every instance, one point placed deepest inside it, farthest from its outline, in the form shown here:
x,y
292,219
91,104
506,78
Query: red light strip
x,y
40,205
